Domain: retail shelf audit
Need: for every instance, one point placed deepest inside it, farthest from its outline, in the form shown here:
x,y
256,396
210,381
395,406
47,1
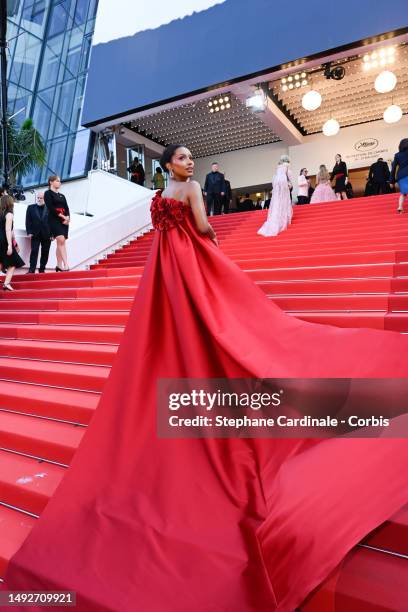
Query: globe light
x,y
311,100
392,114
331,127
385,82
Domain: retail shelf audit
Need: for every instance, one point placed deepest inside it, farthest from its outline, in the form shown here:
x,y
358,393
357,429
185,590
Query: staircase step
x,y
68,352
27,483
68,304
56,374
68,333
48,440
49,402
110,318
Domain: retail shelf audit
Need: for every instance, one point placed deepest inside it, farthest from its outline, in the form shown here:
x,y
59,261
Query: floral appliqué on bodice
x,y
167,212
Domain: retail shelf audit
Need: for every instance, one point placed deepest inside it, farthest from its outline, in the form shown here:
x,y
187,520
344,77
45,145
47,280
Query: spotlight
x,y
220,100
337,73
228,105
222,107
211,110
217,109
291,86
257,102
303,75
285,88
298,84
290,79
210,104
226,99
296,77
283,81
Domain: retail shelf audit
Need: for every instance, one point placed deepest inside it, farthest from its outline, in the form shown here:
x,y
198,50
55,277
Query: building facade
x,y
48,59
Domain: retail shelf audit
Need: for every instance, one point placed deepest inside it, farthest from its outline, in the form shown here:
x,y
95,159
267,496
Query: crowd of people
x,y
47,220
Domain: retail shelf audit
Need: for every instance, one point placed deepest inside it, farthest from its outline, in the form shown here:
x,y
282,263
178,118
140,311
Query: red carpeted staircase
x,y
342,263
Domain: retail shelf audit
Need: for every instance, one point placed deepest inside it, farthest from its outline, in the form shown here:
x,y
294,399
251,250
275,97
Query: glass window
x,y
81,11
79,153
41,118
59,20
56,152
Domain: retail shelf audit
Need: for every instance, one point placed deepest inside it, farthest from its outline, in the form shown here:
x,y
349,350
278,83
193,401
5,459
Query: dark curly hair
x,y
168,153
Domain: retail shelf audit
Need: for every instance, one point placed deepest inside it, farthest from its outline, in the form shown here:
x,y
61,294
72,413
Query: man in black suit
x,y
378,176
246,205
39,231
214,190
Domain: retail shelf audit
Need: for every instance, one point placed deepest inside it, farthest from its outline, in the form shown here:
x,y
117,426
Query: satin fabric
x,y
227,525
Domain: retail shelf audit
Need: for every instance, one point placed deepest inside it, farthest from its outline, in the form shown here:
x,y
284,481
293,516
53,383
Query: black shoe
x,y
41,271
57,269
31,272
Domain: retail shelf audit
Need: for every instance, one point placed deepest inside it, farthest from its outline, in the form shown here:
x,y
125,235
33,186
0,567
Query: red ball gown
x,y
212,525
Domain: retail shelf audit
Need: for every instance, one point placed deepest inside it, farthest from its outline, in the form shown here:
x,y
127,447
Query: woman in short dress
x,y
340,174
58,216
399,172
9,250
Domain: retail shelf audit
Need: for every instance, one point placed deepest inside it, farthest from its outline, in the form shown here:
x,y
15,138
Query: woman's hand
x,y
9,250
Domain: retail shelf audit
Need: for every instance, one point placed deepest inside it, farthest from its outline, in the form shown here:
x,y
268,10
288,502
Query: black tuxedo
x,y
378,176
37,225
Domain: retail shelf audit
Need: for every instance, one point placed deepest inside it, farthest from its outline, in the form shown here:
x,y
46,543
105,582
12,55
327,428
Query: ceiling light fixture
x,y
331,127
311,100
385,82
392,113
257,102
384,56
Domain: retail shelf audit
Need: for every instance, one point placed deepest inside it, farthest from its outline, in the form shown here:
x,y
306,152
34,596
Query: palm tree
x,y
26,148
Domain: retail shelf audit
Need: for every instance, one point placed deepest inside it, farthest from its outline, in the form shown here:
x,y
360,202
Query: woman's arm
x,y
345,168
9,232
197,206
393,170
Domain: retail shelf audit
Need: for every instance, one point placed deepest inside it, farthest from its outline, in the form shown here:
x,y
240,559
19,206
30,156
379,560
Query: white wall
x,y
245,167
360,146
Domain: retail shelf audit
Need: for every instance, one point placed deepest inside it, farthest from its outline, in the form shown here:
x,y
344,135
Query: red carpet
x,y
341,263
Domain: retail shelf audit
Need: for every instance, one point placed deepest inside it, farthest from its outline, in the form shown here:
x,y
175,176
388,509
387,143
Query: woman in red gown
x,y
220,525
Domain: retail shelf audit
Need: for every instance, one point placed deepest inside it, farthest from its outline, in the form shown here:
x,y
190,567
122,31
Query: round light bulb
x,y
382,53
367,66
298,84
222,107
217,109
374,64
366,58
290,79
304,82
291,86
211,110
391,50
297,77
210,104
385,82
311,100
392,114
285,88
283,81
374,55
331,127
303,75
226,99
228,105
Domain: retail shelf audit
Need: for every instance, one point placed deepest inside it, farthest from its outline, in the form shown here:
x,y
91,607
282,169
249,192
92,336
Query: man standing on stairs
x,y
38,230
214,190
379,175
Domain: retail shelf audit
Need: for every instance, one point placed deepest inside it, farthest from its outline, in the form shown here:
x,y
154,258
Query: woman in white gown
x,y
280,211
